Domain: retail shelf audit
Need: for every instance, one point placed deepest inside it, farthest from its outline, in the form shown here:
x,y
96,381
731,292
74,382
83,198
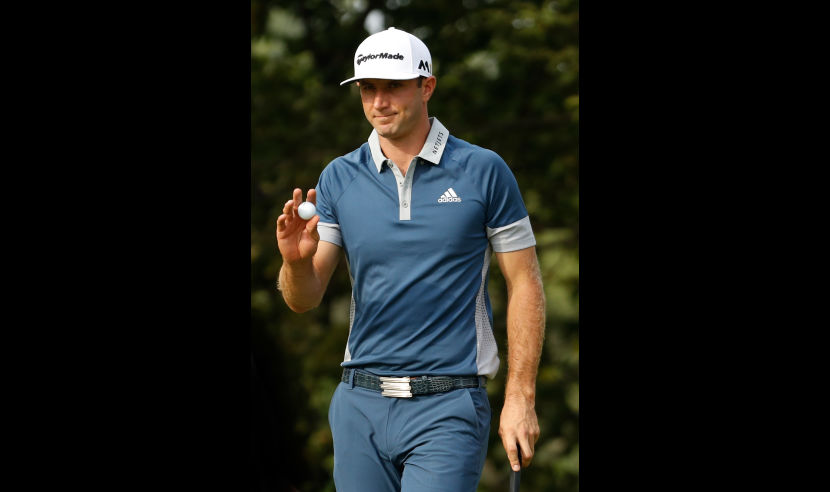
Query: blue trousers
x,y
433,443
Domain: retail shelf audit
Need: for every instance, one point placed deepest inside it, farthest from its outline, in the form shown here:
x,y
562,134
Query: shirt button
x,y
405,204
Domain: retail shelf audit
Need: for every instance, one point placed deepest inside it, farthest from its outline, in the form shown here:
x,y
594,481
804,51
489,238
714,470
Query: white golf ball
x,y
306,210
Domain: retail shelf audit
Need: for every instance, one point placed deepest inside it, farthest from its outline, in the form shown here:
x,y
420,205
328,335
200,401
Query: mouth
x,y
385,116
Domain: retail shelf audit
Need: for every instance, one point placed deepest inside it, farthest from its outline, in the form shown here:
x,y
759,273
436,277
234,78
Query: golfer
x,y
418,214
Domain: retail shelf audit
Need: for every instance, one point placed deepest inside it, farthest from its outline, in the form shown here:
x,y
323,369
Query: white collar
x,y
433,147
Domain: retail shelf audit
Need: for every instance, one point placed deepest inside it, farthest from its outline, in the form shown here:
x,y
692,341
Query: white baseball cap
x,y
391,54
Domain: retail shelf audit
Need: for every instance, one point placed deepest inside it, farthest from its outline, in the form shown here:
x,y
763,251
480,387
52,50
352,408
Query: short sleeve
x,y
507,220
328,227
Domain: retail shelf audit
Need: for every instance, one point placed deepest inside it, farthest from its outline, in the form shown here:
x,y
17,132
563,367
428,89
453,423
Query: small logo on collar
x,y
439,141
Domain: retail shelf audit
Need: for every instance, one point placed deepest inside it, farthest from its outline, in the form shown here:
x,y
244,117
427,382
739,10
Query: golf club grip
x,y
516,476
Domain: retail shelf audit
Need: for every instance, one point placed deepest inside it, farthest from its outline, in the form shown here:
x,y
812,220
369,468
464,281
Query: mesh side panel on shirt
x,y
348,356
487,356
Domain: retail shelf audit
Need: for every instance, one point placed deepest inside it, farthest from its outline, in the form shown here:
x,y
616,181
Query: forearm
x,y
301,285
518,424
525,334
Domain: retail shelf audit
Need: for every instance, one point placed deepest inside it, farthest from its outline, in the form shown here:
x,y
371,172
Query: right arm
x,y
307,262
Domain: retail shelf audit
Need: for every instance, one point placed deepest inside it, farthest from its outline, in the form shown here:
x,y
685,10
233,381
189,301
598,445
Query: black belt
x,y
405,387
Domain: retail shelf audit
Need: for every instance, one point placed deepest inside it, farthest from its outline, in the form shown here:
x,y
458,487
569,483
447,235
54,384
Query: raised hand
x,y
297,238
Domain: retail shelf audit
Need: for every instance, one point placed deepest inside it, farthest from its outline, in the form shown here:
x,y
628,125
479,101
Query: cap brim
x,y
386,76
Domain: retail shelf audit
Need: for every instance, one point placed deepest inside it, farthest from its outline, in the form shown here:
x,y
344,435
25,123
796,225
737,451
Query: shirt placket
x,y
404,184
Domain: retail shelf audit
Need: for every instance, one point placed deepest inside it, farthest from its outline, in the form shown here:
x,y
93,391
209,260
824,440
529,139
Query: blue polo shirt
x,y
418,249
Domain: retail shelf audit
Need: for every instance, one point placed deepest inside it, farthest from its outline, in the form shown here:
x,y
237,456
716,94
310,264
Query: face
x,y
395,107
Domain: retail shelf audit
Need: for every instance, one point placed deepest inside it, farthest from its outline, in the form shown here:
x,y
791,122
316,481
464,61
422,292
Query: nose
x,y
381,100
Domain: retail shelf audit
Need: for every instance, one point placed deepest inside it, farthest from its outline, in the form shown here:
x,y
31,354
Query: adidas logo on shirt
x,y
449,196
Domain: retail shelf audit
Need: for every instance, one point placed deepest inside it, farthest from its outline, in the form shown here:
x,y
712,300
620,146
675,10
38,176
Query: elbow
x,y
300,308
291,300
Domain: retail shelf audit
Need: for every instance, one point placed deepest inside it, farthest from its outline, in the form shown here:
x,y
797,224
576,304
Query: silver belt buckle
x,y
395,387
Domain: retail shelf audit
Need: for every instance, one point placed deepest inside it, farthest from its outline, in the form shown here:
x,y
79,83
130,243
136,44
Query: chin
x,y
385,132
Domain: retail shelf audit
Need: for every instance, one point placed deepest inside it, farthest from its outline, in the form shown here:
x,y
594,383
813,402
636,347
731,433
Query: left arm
x,y
525,333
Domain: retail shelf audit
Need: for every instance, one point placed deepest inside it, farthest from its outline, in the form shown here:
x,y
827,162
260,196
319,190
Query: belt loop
x,y
351,378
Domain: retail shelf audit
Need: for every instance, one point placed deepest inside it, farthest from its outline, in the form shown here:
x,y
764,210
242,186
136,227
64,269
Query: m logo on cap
x,y
424,65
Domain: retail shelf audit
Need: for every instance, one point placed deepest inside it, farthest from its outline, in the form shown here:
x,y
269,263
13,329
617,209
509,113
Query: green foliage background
x,y
507,80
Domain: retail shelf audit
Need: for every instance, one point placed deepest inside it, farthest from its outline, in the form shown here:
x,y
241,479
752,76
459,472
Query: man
x,y
417,213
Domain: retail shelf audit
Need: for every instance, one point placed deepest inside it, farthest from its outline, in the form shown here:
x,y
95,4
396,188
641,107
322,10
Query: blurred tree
x,y
507,80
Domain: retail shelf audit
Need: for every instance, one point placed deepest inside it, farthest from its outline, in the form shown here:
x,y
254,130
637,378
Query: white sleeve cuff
x,y
330,233
512,237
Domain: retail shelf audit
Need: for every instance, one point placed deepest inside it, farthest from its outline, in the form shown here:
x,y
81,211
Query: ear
x,y
428,87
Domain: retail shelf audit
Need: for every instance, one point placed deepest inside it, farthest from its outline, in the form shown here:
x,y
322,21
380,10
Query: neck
x,y
402,150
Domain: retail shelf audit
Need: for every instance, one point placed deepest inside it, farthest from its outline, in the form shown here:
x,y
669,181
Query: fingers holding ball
x,y
306,210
